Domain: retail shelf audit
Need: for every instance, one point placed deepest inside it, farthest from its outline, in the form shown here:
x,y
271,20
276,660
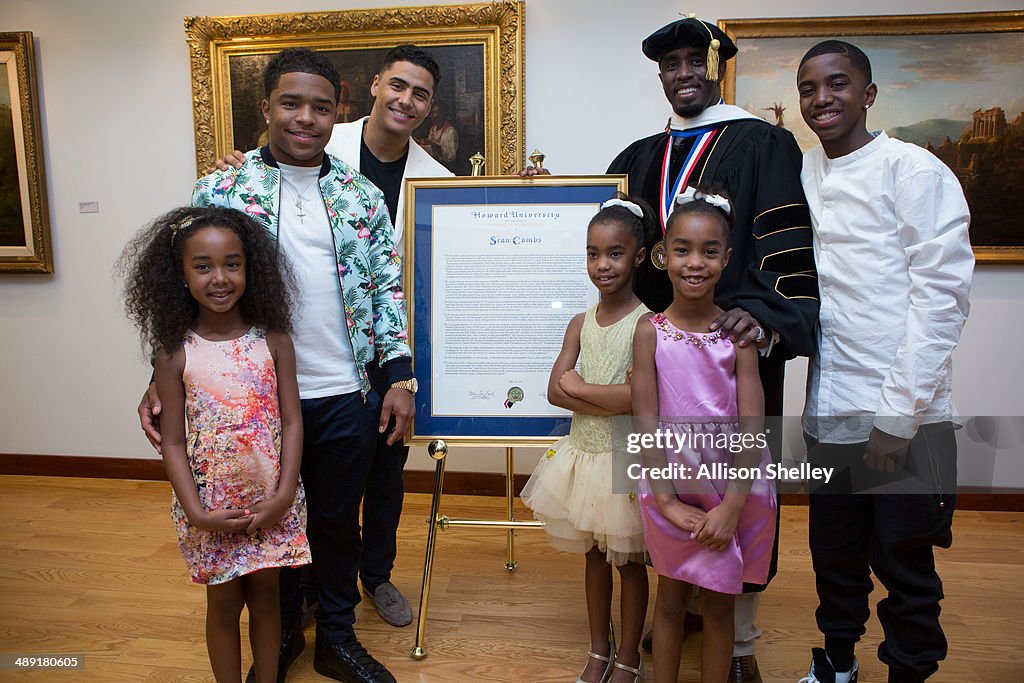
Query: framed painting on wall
x,y
24,215
951,83
479,49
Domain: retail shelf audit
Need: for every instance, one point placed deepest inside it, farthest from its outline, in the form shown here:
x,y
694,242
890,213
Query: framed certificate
x,y
495,267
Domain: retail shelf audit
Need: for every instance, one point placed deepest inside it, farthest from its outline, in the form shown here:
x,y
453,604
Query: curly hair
x,y
725,218
163,309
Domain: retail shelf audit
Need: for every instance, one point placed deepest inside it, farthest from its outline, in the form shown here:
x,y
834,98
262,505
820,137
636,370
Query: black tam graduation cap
x,y
691,32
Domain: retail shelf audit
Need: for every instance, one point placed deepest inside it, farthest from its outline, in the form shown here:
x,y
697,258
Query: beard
x,y
689,111
710,96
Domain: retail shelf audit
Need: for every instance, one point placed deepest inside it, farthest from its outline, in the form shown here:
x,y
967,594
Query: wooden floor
x,y
90,567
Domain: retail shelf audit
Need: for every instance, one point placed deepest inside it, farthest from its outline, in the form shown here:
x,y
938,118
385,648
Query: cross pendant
x,y
298,205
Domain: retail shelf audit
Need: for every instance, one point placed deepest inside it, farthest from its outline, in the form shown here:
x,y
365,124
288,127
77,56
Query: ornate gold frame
x,y
36,255
884,25
497,27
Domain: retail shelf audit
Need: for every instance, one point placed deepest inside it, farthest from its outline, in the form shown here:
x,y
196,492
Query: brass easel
x,y
438,450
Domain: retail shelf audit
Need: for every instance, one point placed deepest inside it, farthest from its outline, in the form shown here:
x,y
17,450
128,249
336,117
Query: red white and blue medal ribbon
x,y
669,189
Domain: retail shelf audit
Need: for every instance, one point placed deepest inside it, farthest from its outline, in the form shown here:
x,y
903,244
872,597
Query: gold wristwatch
x,y
410,385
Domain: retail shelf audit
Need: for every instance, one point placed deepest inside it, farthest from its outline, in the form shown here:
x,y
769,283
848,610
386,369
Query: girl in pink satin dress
x,y
711,523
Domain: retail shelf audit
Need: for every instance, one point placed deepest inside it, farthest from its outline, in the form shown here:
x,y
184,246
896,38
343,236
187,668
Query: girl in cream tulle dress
x,y
571,489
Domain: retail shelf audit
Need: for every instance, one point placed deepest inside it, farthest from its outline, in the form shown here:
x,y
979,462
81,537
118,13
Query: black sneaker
x,y
349,662
293,642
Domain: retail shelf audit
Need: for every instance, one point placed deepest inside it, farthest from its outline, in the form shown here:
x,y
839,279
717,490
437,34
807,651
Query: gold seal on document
x,y
658,257
515,395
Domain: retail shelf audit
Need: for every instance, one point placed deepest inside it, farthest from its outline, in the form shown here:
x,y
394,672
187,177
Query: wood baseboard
x,y
416,481
91,467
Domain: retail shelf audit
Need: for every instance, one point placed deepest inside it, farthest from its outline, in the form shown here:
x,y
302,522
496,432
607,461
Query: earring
x,y
867,106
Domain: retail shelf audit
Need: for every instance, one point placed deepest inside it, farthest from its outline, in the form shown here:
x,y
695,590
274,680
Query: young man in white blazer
x,y
381,147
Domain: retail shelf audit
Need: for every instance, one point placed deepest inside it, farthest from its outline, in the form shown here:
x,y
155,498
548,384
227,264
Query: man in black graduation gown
x,y
769,289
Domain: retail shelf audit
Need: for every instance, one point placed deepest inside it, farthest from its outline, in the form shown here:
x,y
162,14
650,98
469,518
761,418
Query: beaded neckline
x,y
672,333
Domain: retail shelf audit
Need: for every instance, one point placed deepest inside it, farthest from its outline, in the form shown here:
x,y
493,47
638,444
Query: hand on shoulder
x,y
233,159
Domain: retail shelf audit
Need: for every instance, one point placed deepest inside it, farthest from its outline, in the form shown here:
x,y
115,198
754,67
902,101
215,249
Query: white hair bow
x,y
628,206
691,194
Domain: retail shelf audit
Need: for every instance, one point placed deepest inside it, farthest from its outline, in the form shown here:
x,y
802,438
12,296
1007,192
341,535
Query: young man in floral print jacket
x,y
368,266
332,226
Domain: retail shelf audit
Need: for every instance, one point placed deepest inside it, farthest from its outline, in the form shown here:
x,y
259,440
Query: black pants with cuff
x,y
862,522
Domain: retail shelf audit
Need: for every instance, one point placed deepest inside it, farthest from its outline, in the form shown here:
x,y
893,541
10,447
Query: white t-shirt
x,y
323,351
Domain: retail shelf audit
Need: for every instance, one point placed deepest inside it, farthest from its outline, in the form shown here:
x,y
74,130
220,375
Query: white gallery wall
x,y
116,106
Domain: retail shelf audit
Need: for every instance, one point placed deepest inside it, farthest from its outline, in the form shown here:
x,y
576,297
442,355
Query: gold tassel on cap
x,y
712,72
713,45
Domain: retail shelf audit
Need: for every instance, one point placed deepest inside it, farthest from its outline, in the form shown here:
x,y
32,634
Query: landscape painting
x,y
958,95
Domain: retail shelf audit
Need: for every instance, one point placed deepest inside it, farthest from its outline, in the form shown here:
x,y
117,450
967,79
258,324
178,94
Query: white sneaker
x,y
822,670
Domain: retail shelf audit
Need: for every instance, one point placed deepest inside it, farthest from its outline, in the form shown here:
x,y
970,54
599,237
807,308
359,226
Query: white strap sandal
x,y
601,658
638,671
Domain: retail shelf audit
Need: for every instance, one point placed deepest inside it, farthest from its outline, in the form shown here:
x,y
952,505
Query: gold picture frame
x,y
486,41
24,212
907,54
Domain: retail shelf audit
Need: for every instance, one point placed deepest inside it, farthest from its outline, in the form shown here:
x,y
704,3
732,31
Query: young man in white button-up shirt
x,y
894,269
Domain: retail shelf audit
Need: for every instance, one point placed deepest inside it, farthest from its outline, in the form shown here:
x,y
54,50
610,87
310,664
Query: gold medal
x,y
658,257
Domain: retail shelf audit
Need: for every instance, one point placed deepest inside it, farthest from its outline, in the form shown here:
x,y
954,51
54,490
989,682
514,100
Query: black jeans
x,y
893,535
339,448
382,502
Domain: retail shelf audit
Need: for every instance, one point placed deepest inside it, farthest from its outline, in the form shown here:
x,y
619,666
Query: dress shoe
x,y
691,624
391,604
744,670
293,642
348,662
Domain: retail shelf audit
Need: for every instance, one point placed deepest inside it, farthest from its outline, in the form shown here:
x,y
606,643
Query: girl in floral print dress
x,y
571,489
205,288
